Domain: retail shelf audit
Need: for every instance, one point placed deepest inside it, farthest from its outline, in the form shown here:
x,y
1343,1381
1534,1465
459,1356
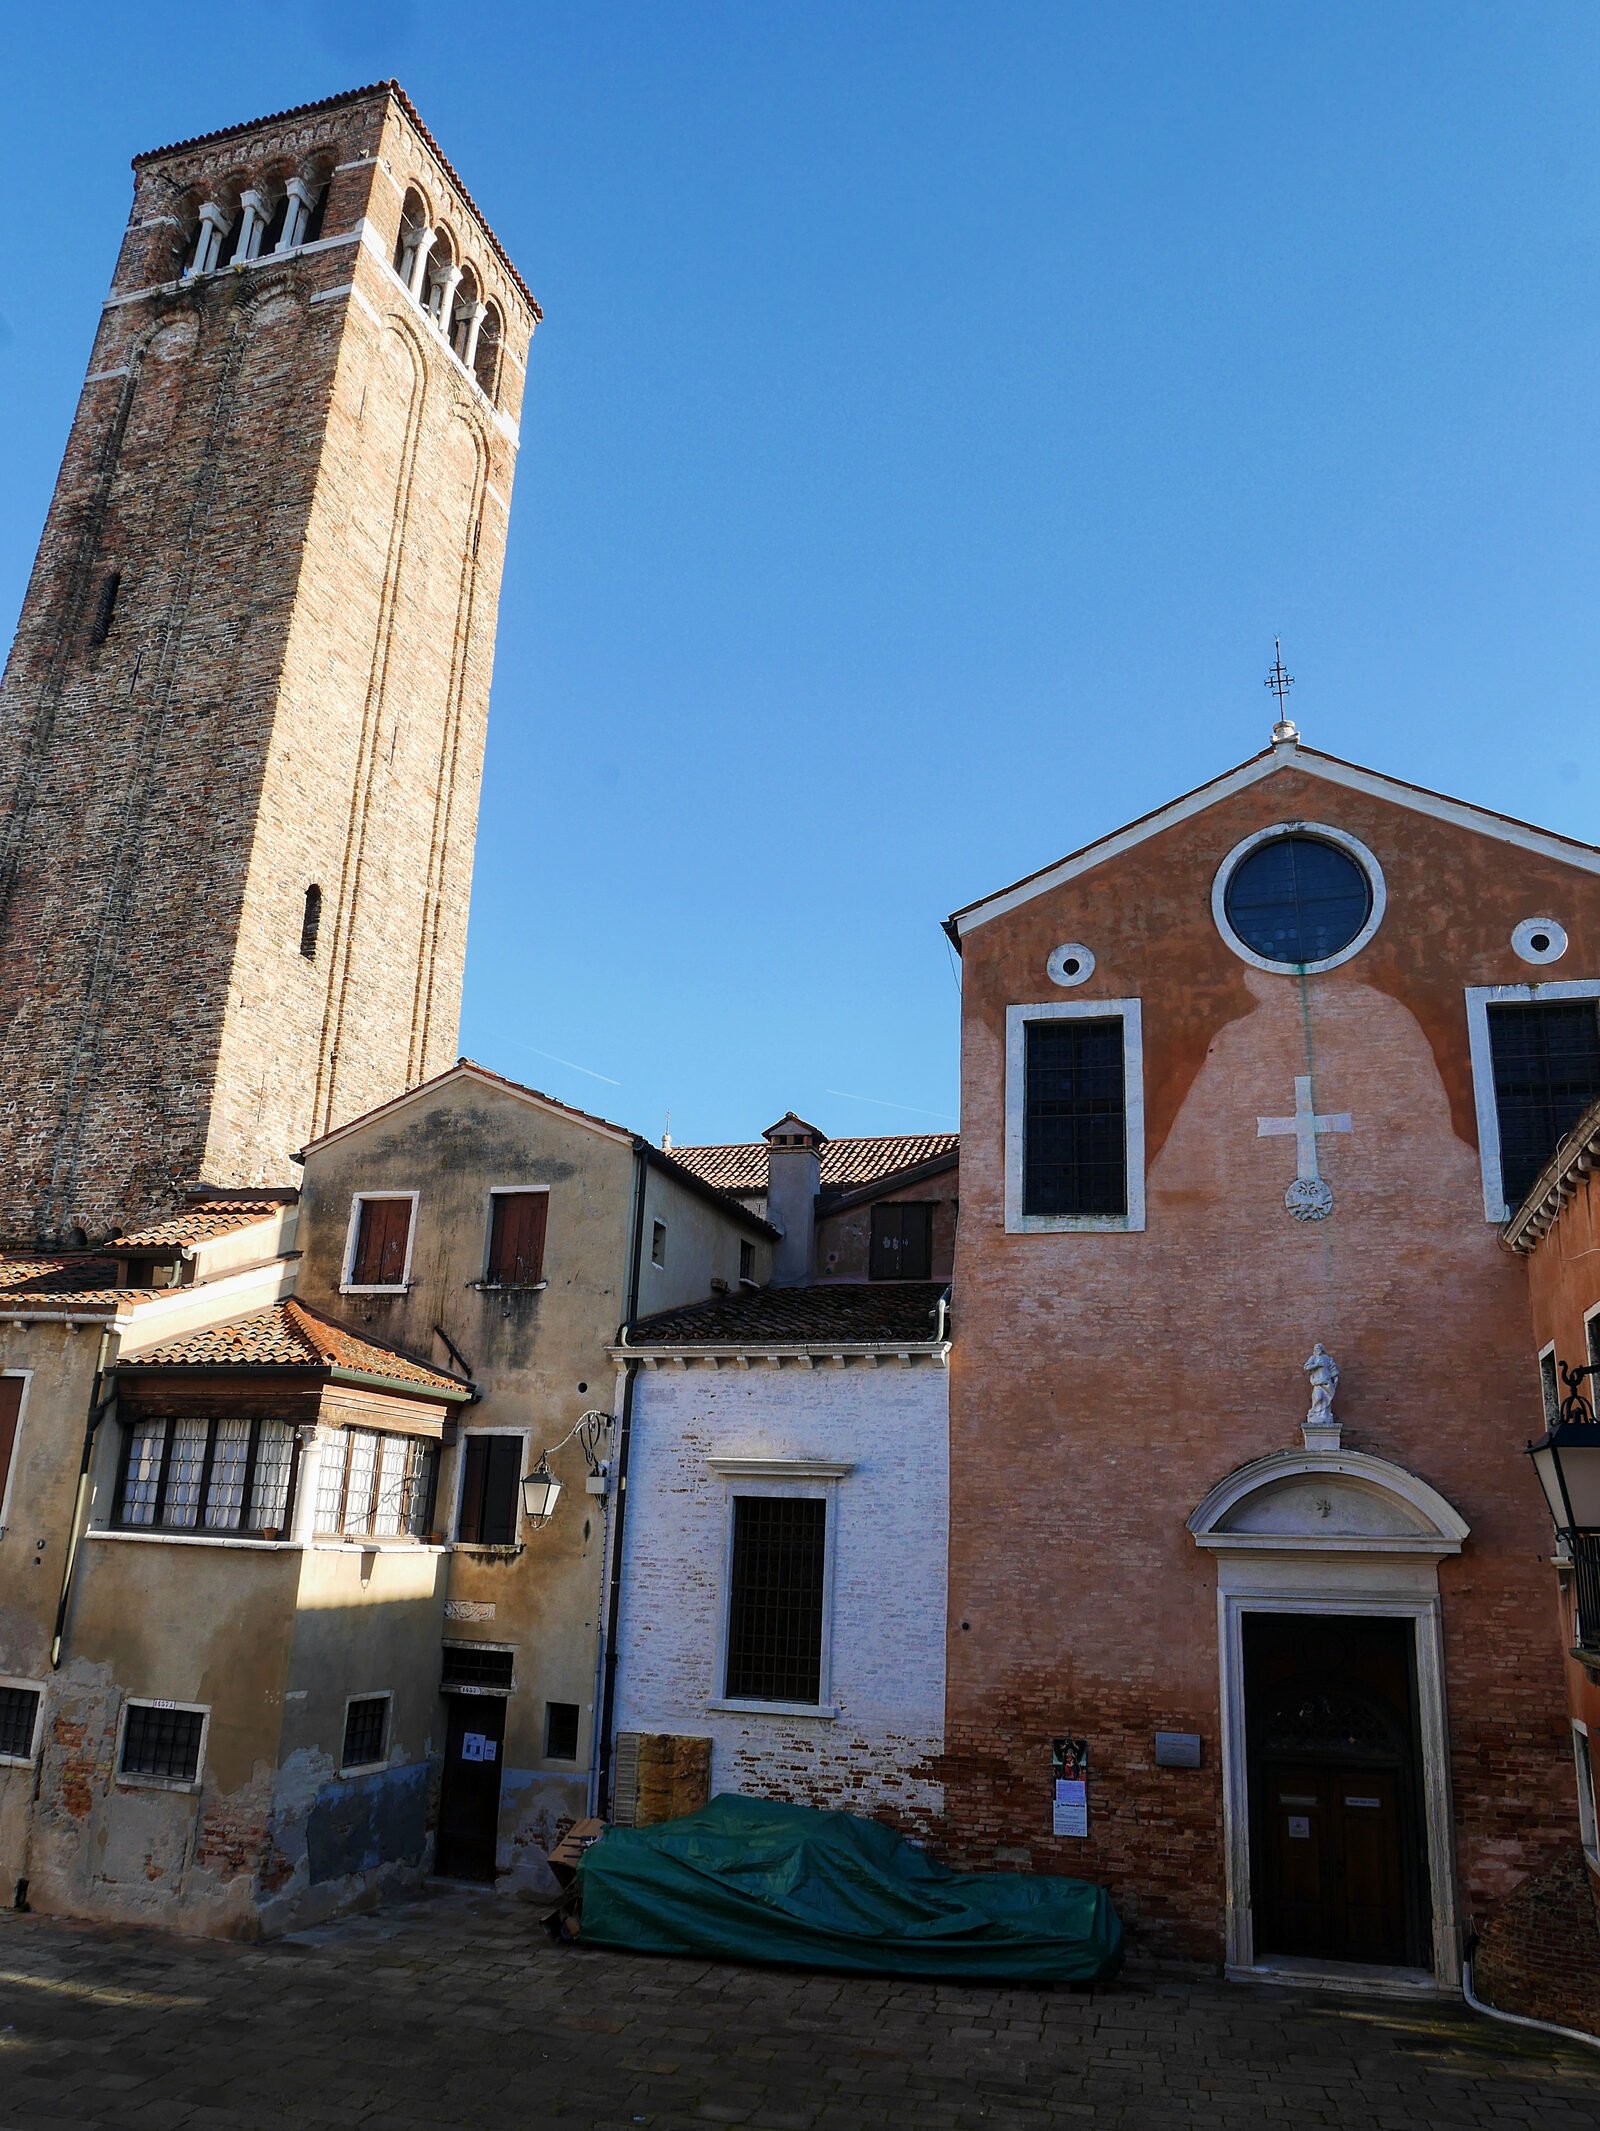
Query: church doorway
x,y
1338,1842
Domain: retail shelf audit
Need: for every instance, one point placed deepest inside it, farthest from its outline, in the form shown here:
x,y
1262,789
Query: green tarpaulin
x,y
747,1880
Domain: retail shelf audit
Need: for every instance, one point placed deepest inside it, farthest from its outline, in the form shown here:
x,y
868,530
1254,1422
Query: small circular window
x,y
1299,898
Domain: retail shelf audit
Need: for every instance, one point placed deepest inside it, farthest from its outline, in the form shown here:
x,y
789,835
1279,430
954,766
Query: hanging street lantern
x,y
1566,1460
541,1491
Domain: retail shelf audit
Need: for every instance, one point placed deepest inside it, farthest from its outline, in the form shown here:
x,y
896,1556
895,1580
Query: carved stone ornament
x,y
1309,1199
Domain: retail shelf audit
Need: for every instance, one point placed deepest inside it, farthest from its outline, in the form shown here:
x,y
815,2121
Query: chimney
x,y
794,1177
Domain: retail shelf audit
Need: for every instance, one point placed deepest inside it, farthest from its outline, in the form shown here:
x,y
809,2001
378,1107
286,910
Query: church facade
x,y
1249,1612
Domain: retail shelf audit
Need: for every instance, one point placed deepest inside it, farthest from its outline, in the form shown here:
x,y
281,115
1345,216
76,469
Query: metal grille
x,y
162,1742
1546,1074
775,1604
365,1722
477,1665
1586,1576
19,1712
1075,1142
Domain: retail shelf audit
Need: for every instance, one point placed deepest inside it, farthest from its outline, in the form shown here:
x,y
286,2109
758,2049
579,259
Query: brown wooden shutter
x,y
475,1457
902,1243
381,1238
516,1238
501,1482
489,1486
10,1413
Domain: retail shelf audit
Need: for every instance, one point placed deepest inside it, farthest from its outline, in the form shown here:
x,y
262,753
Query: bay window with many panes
x,y
372,1484
232,1473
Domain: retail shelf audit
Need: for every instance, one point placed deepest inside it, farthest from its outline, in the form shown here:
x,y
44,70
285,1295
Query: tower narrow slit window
x,y
105,607
311,922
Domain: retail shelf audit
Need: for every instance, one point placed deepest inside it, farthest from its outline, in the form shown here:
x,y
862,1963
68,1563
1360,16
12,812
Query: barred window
x,y
366,1728
775,1599
1546,1073
478,1665
376,1486
1075,1132
19,1717
160,1741
232,1474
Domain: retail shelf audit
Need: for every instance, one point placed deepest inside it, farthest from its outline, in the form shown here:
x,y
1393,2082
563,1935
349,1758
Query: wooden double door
x,y
1338,1853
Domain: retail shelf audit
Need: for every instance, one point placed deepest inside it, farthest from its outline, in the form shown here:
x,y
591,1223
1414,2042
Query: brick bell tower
x,y
242,725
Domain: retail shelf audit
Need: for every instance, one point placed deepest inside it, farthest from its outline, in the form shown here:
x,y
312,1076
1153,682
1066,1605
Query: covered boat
x,y
749,1880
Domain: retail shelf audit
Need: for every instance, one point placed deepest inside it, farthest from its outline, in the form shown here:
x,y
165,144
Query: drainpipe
x,y
100,1403
1542,2027
608,1698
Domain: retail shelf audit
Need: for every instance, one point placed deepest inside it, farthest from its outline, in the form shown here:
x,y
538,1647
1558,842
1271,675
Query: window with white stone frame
x,y
777,1587
1535,1052
162,1744
1075,1116
21,1708
366,1733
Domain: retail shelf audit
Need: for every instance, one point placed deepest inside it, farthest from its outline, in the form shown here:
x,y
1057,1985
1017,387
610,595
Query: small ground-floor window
x,y
162,1742
366,1732
19,1722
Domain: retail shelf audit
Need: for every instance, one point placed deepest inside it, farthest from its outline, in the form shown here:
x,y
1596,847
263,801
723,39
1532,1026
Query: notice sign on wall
x,y
475,1747
1069,1806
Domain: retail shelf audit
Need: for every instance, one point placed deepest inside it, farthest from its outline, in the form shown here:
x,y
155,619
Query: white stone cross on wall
x,y
1308,1197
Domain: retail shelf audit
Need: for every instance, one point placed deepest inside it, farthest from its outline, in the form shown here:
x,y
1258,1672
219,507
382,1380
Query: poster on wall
x,y
1069,1804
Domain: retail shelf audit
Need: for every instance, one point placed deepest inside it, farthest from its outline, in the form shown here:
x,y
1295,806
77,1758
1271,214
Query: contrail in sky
x,y
877,1100
571,1064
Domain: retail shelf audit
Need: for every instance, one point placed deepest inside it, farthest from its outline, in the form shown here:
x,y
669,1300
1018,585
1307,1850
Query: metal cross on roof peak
x,y
1280,682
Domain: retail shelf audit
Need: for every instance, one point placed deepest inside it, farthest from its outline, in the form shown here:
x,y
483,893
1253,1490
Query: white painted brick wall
x,y
888,1620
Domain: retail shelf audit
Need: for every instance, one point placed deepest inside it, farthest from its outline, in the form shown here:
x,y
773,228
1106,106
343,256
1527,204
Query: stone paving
x,y
456,2010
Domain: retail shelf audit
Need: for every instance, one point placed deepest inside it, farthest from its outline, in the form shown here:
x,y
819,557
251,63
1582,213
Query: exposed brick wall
x,y
306,500
887,1642
1539,1949
1102,1384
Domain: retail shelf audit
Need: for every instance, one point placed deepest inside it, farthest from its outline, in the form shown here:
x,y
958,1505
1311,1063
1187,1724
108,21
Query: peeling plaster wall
x,y
59,1362
197,1624
887,1643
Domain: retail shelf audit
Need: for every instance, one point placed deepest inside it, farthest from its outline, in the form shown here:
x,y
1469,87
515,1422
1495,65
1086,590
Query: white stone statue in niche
x,y
1321,1422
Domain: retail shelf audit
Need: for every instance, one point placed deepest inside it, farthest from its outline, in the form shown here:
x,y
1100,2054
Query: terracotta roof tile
x,y
199,1224
78,1274
846,1163
887,1313
289,1335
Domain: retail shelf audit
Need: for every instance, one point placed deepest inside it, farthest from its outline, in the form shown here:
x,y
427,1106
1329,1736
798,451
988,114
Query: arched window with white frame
x,y
415,238
443,282
486,354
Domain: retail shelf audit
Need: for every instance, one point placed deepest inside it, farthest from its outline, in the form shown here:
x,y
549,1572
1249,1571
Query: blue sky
x,y
938,411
